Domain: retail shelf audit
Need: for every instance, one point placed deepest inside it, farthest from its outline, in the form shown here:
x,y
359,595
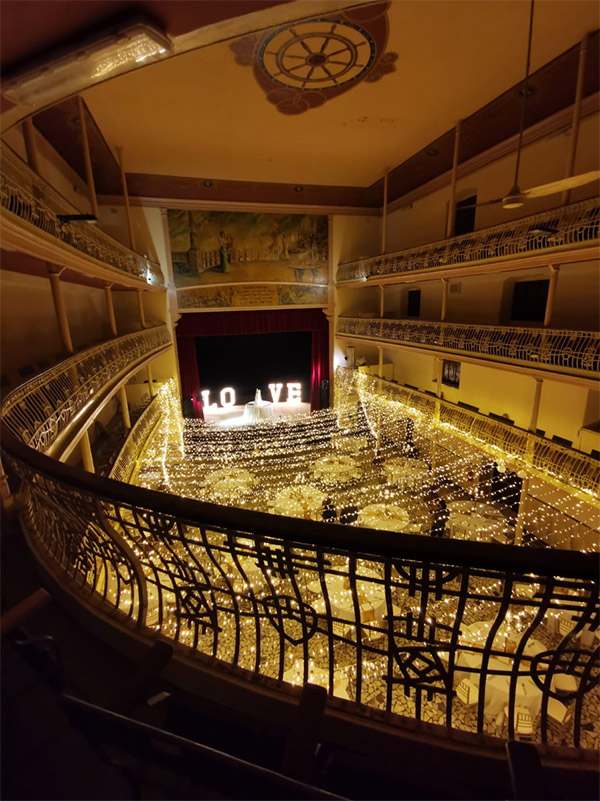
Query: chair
x,y
563,683
467,692
557,711
523,722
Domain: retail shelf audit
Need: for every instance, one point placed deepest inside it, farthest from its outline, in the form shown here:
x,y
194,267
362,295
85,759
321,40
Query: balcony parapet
x,y
557,350
573,471
45,411
33,200
565,228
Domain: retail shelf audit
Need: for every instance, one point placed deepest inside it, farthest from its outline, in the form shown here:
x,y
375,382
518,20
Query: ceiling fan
x,y
516,196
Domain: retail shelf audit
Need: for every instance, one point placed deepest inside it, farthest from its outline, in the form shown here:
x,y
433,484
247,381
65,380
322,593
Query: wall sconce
x,y
96,61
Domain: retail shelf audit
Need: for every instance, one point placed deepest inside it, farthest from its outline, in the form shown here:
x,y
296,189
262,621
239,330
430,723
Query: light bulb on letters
x,y
275,390
227,391
294,392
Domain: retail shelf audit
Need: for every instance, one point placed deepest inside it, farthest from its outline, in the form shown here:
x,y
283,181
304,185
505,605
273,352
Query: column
x,y
85,146
381,300
570,166
452,204
384,212
86,453
110,309
124,407
150,384
30,145
554,269
59,307
444,299
126,199
141,308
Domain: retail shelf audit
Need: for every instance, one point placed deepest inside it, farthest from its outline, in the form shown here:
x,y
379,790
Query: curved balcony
x,y
51,410
569,228
556,350
402,630
33,200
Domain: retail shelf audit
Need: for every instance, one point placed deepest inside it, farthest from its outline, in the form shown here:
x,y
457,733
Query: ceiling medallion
x,y
304,64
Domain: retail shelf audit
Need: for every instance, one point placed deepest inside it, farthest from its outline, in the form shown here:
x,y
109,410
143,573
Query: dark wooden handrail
x,y
464,553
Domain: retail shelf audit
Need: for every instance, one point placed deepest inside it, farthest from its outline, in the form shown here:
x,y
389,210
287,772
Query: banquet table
x,y
407,473
256,411
229,483
335,469
299,501
497,687
385,517
474,526
371,597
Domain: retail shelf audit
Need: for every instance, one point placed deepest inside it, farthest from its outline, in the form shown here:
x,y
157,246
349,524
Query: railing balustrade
x,y
471,637
559,349
31,198
570,469
576,225
39,410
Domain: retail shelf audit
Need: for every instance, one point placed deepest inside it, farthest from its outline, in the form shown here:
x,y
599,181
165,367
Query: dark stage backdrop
x,y
192,326
253,361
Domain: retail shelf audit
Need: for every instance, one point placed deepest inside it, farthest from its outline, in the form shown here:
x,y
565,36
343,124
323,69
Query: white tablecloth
x,y
300,501
407,473
497,687
335,469
474,526
371,597
255,412
229,483
385,517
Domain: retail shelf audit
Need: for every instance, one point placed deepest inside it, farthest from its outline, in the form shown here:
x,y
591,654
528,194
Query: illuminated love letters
x,y
227,395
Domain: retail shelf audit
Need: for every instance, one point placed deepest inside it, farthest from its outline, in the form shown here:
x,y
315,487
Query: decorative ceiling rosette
x,y
304,64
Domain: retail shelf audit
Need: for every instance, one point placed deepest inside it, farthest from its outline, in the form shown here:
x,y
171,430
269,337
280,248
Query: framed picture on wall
x,y
451,373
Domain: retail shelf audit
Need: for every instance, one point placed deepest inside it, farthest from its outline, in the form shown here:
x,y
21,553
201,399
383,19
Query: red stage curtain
x,y
217,324
188,370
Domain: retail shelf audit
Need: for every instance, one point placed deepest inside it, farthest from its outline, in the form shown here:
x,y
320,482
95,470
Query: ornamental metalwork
x,y
40,410
464,636
576,225
576,352
32,199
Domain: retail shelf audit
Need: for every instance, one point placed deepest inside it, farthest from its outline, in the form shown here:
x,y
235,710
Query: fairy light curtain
x,y
251,322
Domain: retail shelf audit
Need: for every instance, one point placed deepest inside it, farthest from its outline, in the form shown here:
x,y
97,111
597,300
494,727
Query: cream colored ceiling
x,y
202,115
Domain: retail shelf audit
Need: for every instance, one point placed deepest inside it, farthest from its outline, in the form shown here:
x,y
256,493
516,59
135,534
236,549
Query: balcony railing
x,y
573,226
572,470
31,198
39,411
556,349
464,636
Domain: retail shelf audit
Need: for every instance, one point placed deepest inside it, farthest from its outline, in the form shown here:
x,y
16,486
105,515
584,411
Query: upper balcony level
x,y
566,234
30,209
575,353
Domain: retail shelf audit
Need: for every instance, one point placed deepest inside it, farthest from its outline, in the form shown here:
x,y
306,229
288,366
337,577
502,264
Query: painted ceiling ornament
x,y
304,64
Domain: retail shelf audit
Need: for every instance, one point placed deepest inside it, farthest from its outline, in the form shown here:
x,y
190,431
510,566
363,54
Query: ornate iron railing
x,y
572,470
571,226
559,349
466,636
31,198
40,410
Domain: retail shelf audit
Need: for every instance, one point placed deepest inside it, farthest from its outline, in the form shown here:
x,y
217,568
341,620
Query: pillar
x,y
110,309
570,166
384,212
86,453
554,269
141,308
452,204
124,407
126,199
59,308
30,145
150,384
85,146
444,299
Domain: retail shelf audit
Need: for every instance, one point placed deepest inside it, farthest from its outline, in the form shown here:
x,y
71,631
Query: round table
x,y
370,596
407,473
299,501
348,444
335,469
256,411
497,687
475,526
385,517
229,483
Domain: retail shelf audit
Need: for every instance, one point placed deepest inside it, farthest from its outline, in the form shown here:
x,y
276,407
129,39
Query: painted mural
x,y
251,296
287,251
